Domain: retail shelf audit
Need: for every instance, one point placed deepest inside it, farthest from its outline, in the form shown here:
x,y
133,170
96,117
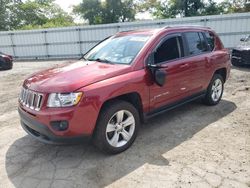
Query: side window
x,y
195,42
204,47
210,40
170,49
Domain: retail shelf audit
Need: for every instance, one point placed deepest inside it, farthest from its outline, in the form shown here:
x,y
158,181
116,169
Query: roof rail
x,y
193,26
126,31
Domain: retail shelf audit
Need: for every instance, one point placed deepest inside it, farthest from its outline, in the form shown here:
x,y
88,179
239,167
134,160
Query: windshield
x,y
247,39
118,49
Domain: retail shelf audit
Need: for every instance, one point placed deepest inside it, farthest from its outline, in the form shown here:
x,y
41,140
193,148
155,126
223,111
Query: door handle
x,y
185,65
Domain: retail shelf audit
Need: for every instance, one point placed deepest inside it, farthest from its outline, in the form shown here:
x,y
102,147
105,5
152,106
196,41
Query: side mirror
x,y
158,75
242,39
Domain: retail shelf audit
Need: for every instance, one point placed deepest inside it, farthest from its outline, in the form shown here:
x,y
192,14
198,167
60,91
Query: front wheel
x,y
117,127
214,90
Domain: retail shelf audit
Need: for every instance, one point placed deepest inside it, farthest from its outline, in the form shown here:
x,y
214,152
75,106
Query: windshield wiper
x,y
101,60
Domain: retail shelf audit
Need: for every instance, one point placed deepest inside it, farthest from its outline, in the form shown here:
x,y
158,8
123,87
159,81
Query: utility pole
x,y
185,8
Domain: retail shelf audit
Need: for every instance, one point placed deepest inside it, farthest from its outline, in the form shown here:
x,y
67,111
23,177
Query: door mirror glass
x,y
160,77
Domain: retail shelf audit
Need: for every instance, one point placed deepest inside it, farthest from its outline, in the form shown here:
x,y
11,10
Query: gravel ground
x,y
191,146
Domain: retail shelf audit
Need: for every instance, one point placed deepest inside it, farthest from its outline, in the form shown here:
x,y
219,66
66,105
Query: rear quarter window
x,y
210,40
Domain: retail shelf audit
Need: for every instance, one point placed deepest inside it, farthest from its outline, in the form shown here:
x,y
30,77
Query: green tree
x,y
172,8
90,10
44,14
212,8
3,14
234,6
186,8
157,8
7,12
30,14
128,11
108,11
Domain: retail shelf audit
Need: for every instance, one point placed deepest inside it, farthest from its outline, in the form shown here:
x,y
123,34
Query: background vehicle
x,y
241,54
121,82
6,61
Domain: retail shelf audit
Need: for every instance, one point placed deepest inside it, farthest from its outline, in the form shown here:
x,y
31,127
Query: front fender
x,y
96,94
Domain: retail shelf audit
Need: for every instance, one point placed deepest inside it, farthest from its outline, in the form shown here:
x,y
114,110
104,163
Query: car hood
x,y
70,77
243,46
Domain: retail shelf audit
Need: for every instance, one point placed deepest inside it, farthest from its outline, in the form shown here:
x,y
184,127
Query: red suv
x,y
121,82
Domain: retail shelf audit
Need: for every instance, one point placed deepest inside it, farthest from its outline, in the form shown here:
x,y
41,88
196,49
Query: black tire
x,y
7,66
107,113
208,99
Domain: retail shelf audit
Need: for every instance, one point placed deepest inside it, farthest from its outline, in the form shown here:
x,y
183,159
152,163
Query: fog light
x,y
59,125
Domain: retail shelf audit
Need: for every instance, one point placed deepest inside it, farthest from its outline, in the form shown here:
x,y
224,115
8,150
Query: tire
x,y
214,90
7,66
111,131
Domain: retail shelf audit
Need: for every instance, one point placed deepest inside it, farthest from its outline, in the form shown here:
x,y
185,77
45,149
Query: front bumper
x,y
6,65
42,133
241,57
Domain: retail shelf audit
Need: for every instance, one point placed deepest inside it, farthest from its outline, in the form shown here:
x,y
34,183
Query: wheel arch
x,y
133,98
222,72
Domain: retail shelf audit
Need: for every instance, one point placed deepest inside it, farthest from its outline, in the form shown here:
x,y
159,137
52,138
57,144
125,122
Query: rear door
x,y
197,54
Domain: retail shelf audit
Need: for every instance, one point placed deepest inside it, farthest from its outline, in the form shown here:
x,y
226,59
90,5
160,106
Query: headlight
x,y
64,99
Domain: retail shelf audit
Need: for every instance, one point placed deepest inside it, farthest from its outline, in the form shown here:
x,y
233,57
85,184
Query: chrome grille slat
x,y
31,99
38,104
24,94
27,99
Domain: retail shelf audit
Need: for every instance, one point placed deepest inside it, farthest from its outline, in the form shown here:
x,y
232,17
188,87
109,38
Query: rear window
x,y
210,40
196,43
204,45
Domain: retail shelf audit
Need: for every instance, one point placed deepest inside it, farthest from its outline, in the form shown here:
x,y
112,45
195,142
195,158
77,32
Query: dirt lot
x,y
192,146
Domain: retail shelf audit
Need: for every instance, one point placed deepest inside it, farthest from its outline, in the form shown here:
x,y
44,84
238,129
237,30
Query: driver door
x,y
169,54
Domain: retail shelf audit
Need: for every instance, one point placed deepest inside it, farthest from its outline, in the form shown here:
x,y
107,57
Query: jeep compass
x,y
122,81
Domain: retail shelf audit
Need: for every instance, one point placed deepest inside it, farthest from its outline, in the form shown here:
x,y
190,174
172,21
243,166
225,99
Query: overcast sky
x,y
66,4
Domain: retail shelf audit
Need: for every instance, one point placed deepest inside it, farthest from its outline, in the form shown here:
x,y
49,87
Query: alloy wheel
x,y
217,90
120,128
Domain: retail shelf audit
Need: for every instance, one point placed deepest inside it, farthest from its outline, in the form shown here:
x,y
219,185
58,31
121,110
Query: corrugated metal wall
x,y
71,42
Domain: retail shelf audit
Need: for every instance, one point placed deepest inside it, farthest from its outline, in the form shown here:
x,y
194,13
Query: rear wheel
x,y
117,127
214,90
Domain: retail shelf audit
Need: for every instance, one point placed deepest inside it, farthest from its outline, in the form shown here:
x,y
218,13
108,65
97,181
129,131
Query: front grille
x,y
243,56
236,53
31,99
